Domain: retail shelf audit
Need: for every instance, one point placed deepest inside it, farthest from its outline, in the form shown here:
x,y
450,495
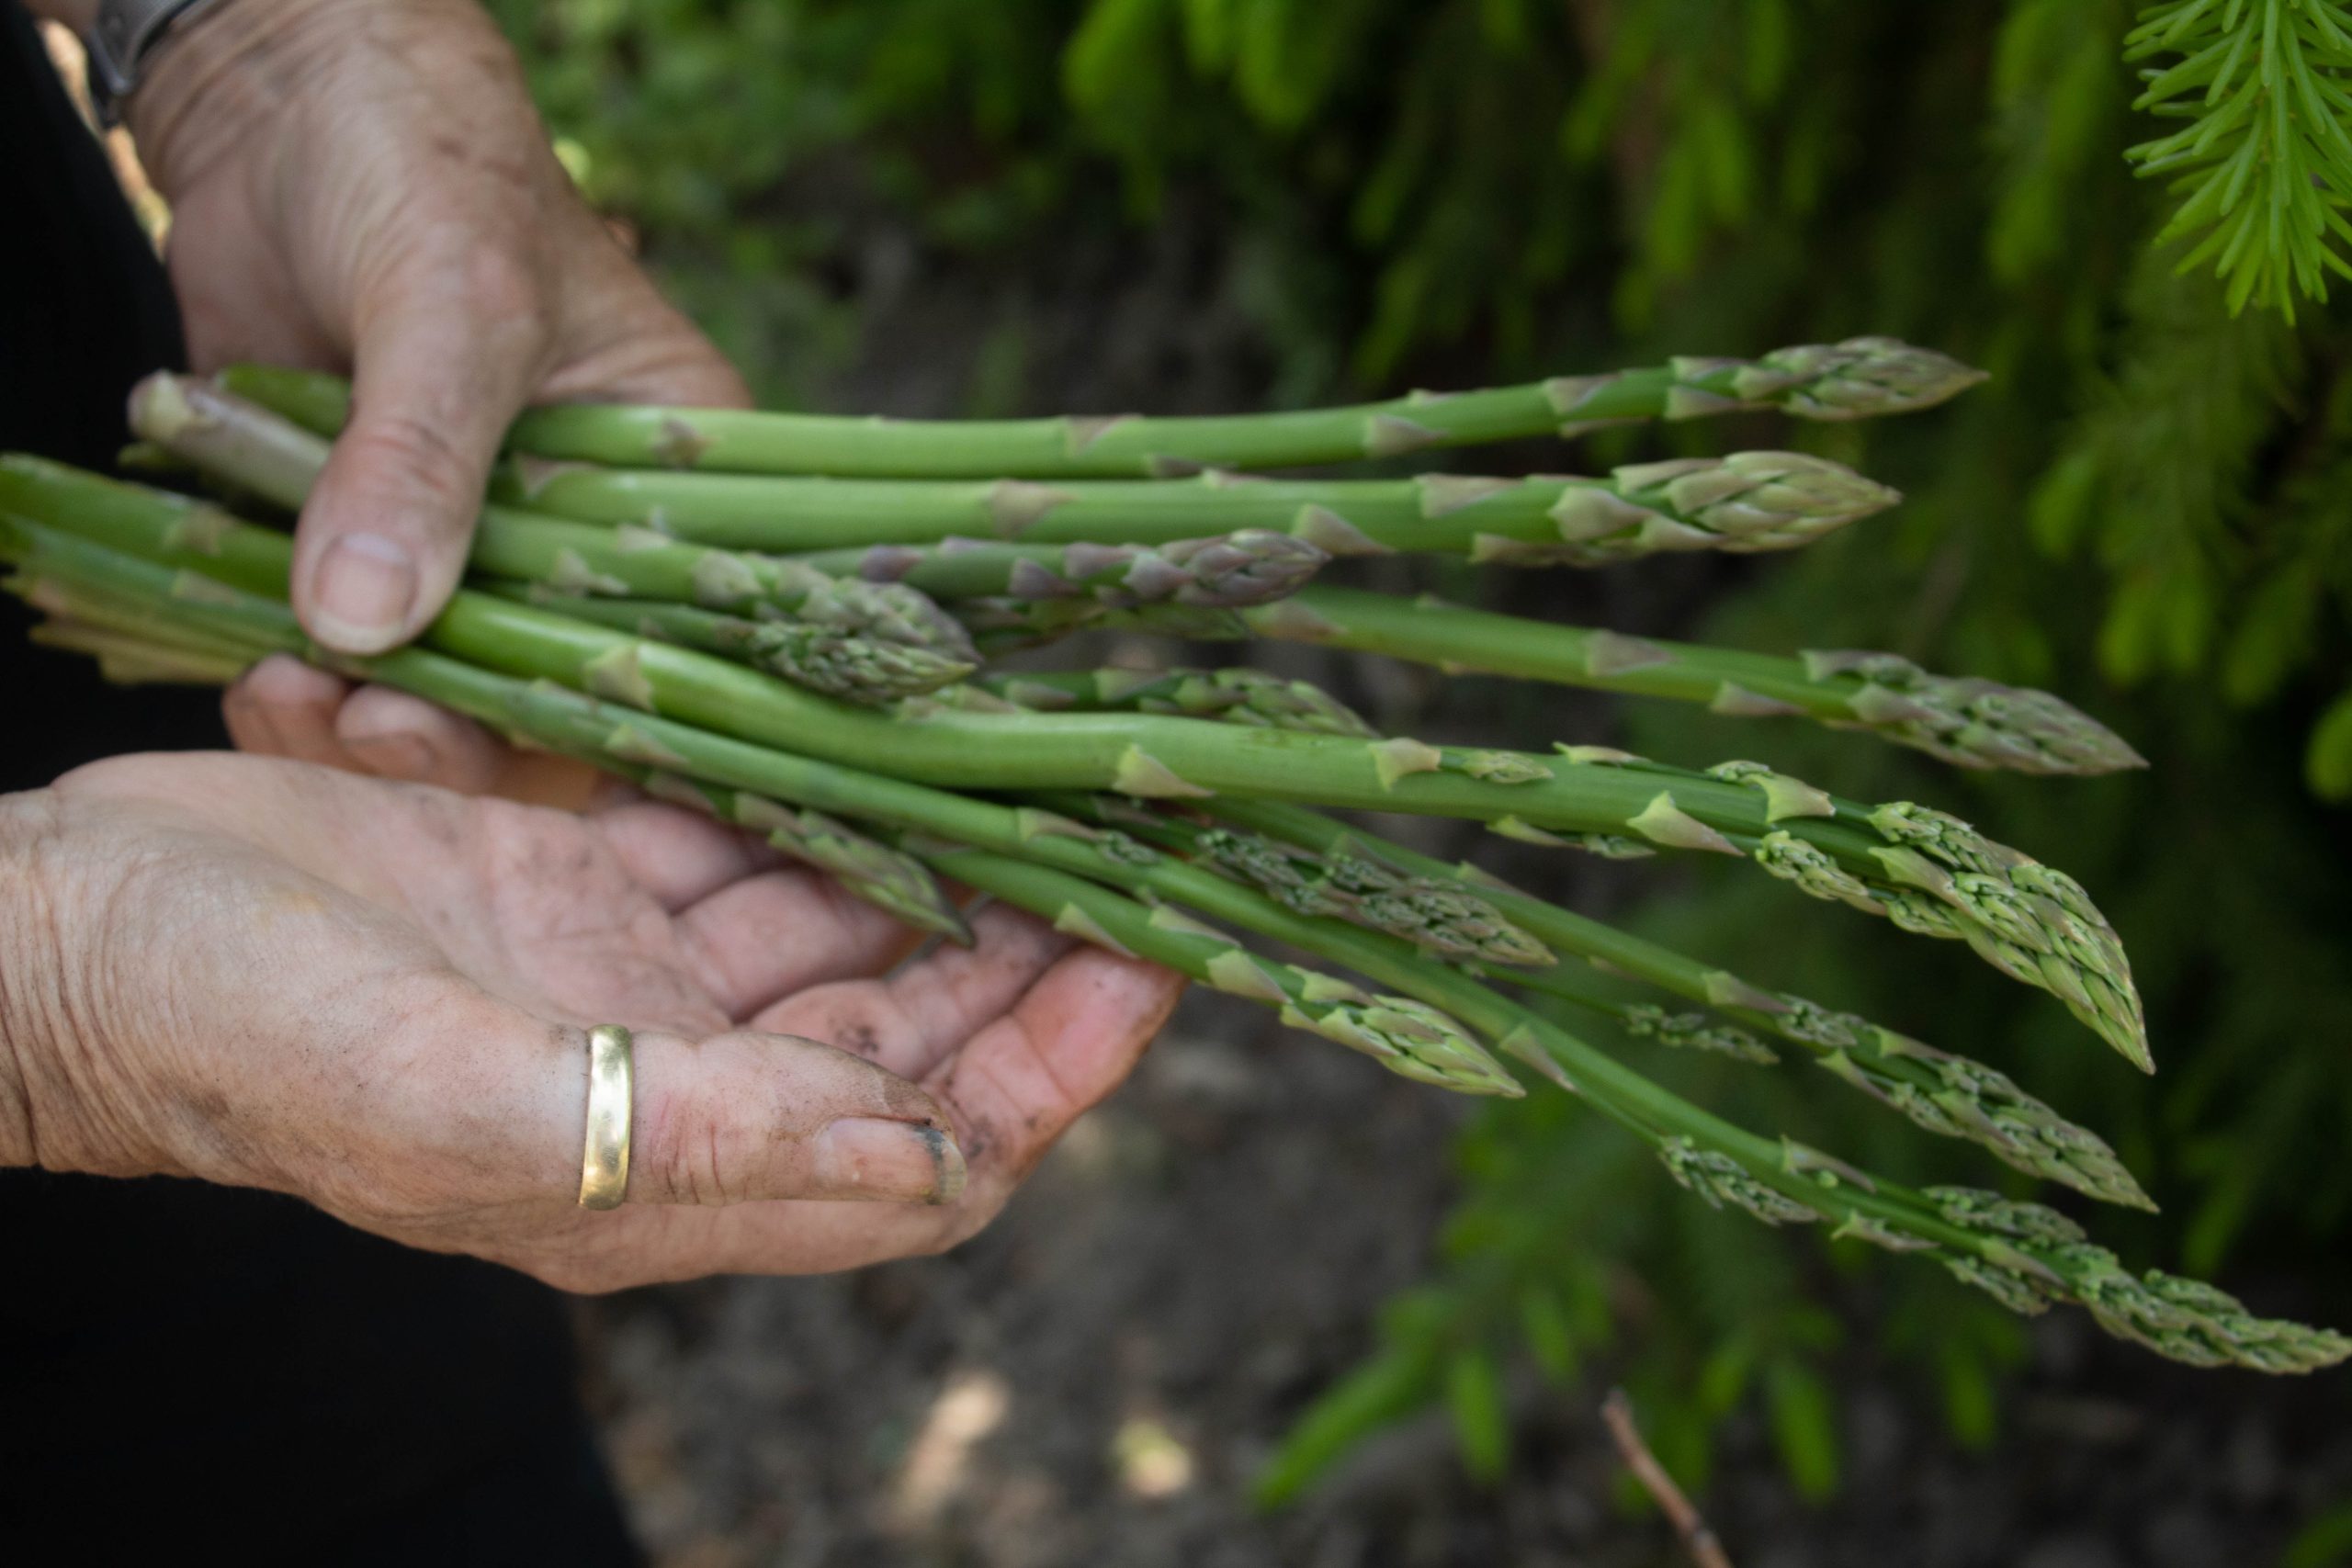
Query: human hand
x,y
371,995
363,185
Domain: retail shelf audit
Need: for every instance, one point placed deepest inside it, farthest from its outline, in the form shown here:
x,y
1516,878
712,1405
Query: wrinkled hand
x,y
372,995
363,185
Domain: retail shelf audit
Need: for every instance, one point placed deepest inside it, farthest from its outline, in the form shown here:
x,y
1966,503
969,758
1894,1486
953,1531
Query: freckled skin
x,y
373,995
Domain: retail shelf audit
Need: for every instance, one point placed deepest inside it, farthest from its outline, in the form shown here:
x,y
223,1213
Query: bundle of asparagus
x,y
780,620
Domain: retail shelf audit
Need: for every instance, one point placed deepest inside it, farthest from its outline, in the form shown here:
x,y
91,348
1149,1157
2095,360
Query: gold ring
x,y
612,1089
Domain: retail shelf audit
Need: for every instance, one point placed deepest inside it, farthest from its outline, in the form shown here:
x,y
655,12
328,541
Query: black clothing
x,y
188,1369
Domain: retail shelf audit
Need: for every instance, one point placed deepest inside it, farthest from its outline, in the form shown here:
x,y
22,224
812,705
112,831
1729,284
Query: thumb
x,y
445,356
741,1117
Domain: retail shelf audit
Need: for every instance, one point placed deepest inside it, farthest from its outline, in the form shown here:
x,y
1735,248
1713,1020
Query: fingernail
x,y
362,592
903,1162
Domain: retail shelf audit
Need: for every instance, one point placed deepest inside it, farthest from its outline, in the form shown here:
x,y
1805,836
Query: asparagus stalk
x,y
2025,1254
856,668
125,620
1971,723
1929,873
1007,593
1218,572
151,461
318,402
1858,379
1746,502
1235,695
276,458
1003,627
1948,1094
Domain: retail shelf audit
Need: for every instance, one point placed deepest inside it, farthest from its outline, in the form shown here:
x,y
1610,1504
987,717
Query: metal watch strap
x,y
124,34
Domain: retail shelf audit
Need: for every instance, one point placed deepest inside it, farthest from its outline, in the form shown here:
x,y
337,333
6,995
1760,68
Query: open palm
x,y
373,995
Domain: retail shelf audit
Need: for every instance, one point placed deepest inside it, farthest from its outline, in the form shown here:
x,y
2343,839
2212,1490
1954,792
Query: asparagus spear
x,y
1860,378
1746,502
1929,873
856,668
1972,723
276,458
1009,593
2025,1255
1220,571
1854,379
1235,695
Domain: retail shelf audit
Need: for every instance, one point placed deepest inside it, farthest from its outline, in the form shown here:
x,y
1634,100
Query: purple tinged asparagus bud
x,y
1225,572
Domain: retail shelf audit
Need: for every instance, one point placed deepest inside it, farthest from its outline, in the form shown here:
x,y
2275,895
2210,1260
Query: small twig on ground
x,y
1697,1538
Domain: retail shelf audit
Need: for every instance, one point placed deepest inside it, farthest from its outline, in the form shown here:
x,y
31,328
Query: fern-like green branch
x,y
2264,162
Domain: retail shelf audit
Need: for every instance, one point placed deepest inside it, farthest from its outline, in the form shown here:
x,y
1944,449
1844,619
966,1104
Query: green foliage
x,y
2264,163
2329,763
1473,1392
2154,473
1804,1428
2144,511
1386,1388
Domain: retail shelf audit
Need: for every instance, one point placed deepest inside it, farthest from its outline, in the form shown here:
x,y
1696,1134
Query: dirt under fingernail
x,y
905,1162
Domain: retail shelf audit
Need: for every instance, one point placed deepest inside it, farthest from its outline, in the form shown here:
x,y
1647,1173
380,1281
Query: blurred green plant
x,y
2144,511
2325,1542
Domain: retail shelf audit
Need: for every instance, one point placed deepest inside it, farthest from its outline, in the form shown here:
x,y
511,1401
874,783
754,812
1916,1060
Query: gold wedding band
x,y
612,1089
